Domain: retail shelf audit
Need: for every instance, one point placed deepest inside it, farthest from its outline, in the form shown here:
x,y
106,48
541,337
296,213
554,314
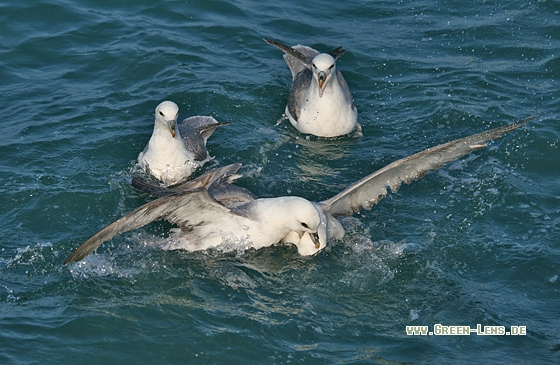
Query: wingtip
x,y
270,41
515,125
337,52
72,258
499,132
276,44
80,253
211,127
524,121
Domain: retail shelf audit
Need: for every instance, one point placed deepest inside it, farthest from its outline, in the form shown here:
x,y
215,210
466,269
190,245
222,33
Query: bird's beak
x,y
322,79
314,238
172,127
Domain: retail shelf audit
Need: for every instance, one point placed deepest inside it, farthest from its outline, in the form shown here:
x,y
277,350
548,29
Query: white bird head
x,y
323,68
167,113
308,229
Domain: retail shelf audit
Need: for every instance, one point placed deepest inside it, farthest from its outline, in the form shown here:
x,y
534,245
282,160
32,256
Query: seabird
x,y
211,209
174,151
320,102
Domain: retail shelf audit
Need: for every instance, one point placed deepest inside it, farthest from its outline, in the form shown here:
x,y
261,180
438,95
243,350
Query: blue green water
x,y
474,243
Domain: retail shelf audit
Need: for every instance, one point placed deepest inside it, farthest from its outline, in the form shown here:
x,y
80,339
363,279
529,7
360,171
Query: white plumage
x,y
320,102
211,209
174,152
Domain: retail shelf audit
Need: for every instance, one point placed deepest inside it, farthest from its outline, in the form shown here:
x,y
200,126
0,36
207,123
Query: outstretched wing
x,y
306,61
372,188
297,67
187,209
337,52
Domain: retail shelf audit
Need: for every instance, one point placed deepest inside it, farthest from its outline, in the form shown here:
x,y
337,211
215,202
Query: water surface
x,y
476,242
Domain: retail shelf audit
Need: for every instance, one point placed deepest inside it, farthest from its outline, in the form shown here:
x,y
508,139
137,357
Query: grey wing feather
x,y
207,130
230,195
295,65
346,89
226,174
301,83
293,52
198,208
194,142
195,132
219,182
308,52
197,121
371,189
155,190
176,209
205,125
337,52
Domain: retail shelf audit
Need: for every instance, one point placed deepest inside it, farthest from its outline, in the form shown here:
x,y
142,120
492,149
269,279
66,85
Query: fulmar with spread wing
x,y
320,102
211,209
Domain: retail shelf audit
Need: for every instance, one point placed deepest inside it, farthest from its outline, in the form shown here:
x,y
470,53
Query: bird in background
x,y
320,102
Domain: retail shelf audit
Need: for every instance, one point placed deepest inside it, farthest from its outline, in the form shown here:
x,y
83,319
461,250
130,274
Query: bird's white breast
x,y
167,159
328,116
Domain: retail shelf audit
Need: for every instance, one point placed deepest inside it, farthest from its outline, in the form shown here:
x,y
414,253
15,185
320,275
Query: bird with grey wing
x,y
320,102
175,151
212,209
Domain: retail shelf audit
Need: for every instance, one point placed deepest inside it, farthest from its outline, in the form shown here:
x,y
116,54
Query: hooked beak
x,y
172,124
322,79
314,238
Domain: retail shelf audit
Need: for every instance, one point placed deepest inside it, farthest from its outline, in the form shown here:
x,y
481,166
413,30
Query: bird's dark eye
x,y
331,66
304,225
314,66
160,113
